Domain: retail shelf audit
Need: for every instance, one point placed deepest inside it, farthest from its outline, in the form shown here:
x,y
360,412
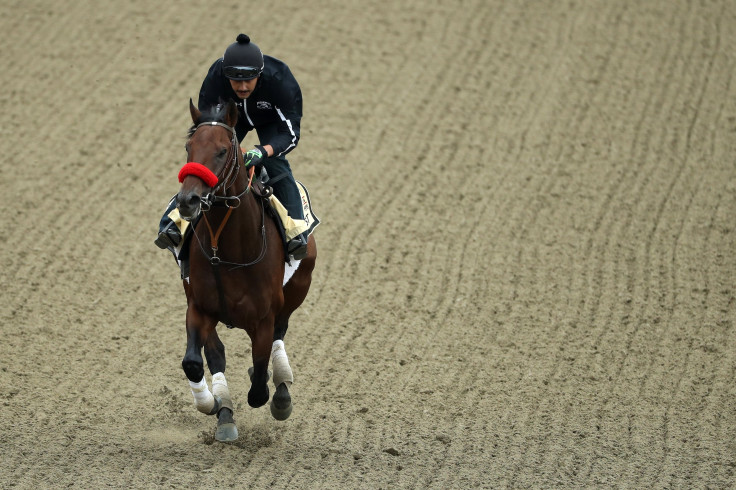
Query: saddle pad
x,y
309,217
294,227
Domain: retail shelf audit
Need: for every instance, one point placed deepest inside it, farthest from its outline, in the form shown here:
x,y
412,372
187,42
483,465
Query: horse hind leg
x,y
295,291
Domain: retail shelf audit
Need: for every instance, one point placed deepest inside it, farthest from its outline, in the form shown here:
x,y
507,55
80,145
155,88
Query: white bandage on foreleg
x,y
219,388
280,361
203,399
219,384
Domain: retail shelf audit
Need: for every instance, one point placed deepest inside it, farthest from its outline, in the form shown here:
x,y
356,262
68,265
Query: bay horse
x,y
236,273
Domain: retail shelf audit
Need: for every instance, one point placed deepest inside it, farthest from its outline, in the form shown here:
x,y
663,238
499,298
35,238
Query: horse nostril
x,y
193,200
188,204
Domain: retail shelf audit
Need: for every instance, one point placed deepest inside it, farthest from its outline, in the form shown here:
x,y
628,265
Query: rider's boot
x,y
168,237
168,233
297,247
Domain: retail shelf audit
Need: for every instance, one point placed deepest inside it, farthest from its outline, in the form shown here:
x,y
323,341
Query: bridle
x,y
231,171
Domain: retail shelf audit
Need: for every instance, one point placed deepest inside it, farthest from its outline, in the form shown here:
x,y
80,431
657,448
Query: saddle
x,y
288,227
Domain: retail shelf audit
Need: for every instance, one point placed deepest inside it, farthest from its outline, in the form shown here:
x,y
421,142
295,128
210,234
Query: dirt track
x,y
543,193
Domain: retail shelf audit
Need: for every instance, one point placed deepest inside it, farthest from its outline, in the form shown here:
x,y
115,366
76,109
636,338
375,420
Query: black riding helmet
x,y
243,59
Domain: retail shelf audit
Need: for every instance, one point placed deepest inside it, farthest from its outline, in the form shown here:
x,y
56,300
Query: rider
x,y
270,101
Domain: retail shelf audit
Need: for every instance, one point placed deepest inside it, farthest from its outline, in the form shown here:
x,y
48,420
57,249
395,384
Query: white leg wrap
x,y
219,388
280,361
203,399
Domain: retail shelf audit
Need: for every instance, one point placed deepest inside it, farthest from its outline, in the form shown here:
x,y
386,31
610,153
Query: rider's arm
x,y
287,100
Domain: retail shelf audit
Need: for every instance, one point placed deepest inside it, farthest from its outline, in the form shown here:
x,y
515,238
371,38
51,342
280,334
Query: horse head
x,y
212,157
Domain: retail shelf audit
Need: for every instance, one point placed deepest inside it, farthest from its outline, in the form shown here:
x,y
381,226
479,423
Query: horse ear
x,y
194,111
232,113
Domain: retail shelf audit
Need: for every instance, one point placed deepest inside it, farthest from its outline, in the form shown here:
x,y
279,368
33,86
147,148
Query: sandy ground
x,y
526,271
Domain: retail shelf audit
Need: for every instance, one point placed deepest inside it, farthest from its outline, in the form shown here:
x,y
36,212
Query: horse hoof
x,y
281,414
226,433
257,398
281,406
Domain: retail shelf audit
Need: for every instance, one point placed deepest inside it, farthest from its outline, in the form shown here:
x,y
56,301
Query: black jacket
x,y
274,108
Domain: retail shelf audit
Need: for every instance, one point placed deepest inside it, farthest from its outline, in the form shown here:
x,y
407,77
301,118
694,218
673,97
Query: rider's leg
x,y
286,190
168,232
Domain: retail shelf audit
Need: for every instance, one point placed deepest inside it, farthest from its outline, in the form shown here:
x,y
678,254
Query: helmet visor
x,y
241,72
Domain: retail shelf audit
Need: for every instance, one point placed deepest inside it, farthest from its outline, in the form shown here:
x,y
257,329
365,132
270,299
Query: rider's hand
x,y
256,156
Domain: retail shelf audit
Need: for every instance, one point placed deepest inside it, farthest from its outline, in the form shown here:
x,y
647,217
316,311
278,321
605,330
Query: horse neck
x,y
249,212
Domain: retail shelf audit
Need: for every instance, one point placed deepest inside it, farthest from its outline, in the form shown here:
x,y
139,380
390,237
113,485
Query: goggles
x,y
241,72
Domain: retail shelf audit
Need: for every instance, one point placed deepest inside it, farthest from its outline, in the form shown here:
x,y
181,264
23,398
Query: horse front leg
x,y
261,339
214,351
199,327
281,405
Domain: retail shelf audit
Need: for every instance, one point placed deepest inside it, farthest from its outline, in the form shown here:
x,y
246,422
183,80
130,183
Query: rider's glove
x,y
256,156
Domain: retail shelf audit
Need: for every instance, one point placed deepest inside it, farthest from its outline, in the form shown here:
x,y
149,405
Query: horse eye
x,y
222,153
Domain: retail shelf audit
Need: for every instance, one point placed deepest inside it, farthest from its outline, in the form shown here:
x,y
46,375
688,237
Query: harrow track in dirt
x,y
526,271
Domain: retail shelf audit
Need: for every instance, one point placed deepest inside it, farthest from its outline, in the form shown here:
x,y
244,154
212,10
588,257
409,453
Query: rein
x,y
215,236
214,200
